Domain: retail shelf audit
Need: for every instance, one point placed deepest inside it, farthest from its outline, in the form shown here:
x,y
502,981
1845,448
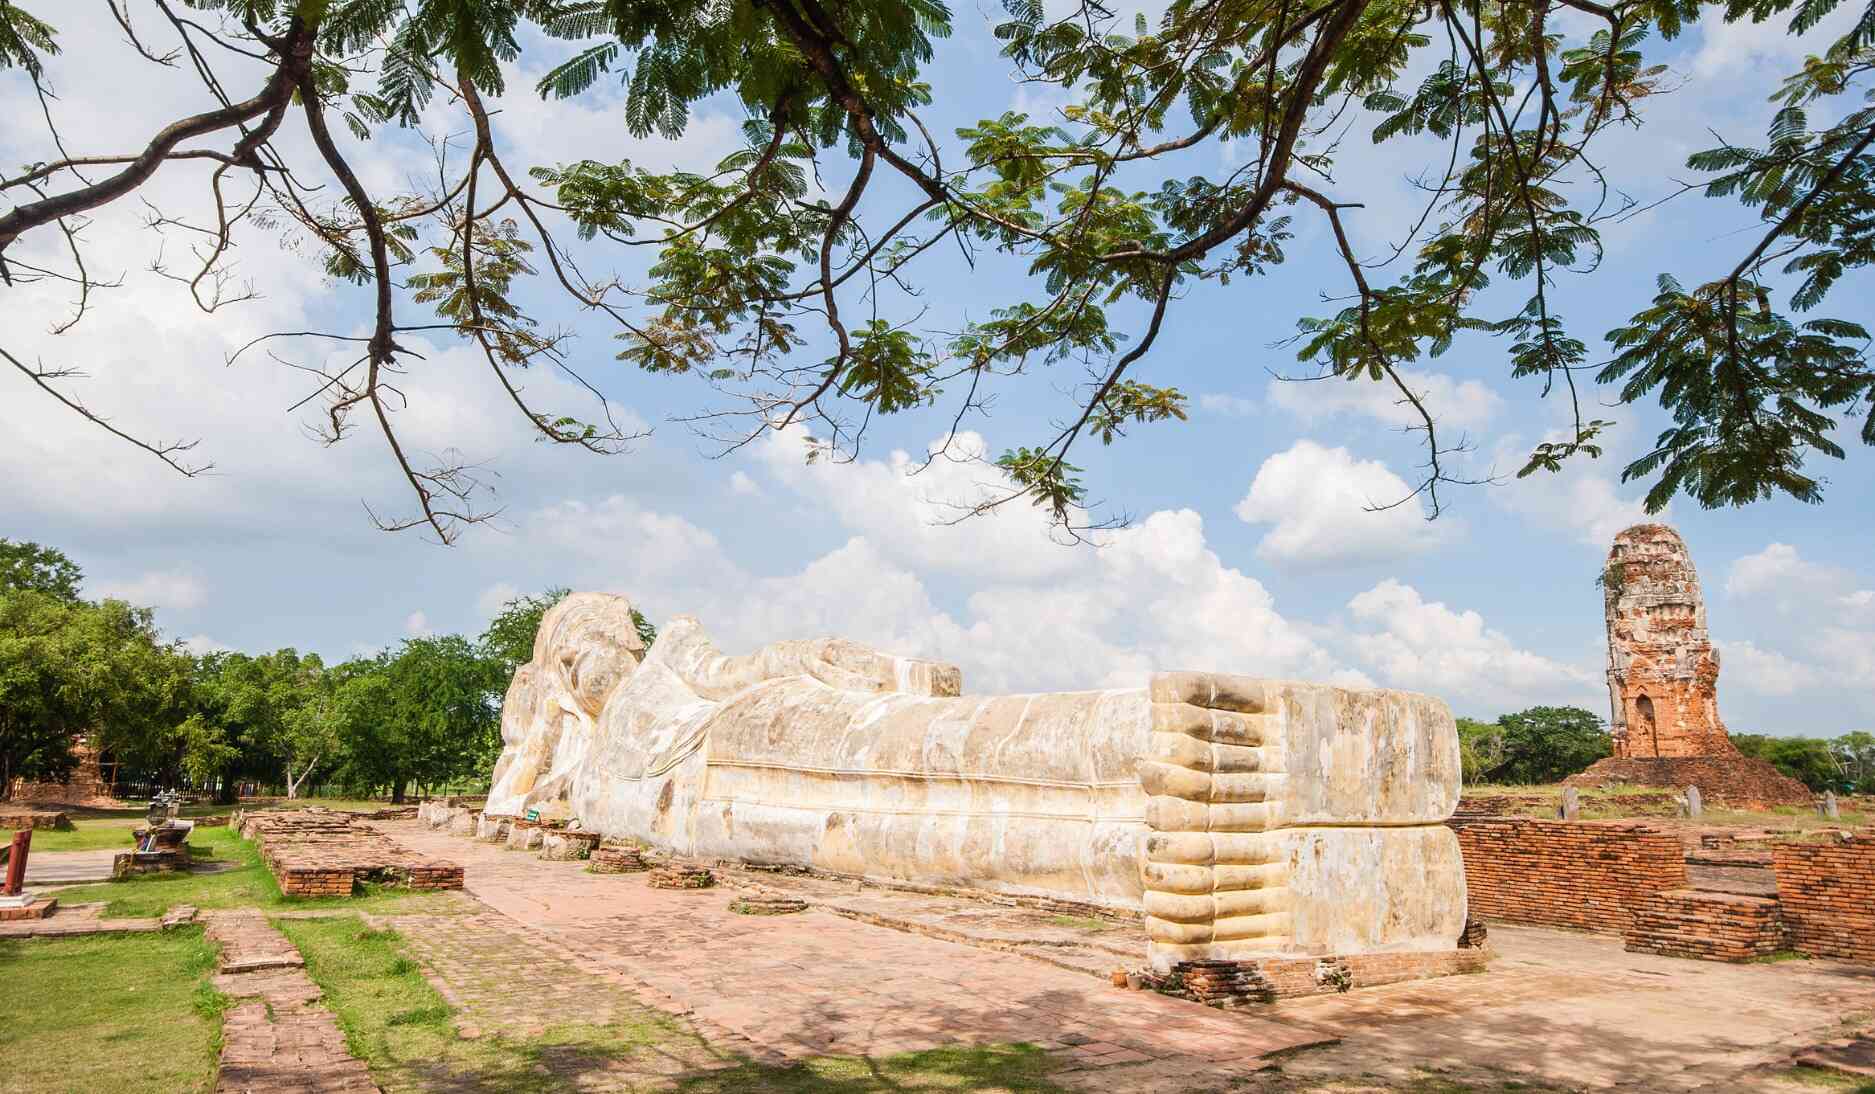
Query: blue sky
x,y
1250,549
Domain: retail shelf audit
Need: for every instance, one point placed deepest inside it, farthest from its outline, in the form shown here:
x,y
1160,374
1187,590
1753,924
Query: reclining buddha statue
x,y
1243,817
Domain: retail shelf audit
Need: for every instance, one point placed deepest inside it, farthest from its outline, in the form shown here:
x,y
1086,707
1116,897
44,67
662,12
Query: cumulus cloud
x,y
1811,632
1461,404
1762,671
1583,500
417,625
1233,406
1780,572
741,483
1321,504
494,597
176,590
1426,645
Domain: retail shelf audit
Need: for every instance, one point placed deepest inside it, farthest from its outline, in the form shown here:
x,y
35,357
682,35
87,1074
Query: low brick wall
x,y
35,819
1827,891
1584,875
1707,926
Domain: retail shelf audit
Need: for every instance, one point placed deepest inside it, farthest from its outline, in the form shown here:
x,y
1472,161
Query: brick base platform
x,y
1240,983
1737,781
35,819
319,853
38,909
1706,926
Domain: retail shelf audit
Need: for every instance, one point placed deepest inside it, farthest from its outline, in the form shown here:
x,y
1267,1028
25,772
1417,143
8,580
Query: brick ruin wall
x,y
1582,875
86,785
1827,894
1707,926
318,853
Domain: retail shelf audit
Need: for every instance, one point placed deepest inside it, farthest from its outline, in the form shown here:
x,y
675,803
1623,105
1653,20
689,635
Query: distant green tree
x,y
1541,745
69,667
1855,755
1480,748
428,714
509,638
249,713
1809,760
27,565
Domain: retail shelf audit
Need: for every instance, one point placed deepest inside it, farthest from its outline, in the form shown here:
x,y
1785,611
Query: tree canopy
x,y
789,277
1538,745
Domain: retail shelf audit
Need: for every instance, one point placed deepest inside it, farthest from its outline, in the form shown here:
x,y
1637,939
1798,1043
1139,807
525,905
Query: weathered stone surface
x,y
1244,816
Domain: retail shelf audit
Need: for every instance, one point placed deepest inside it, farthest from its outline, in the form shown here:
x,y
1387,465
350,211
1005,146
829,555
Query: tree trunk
x,y
397,792
293,784
227,793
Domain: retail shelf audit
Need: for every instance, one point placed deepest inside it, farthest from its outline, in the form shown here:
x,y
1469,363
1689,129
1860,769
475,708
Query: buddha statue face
x,y
589,646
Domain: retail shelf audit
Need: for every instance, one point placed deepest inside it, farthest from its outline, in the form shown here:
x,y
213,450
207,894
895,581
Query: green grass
x,y
1816,1078
128,1013
246,884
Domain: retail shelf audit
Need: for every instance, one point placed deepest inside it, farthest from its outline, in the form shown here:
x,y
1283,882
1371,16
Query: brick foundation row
x,y
318,853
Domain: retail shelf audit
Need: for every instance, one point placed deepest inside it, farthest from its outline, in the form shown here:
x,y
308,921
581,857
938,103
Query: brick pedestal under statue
x,y
1663,681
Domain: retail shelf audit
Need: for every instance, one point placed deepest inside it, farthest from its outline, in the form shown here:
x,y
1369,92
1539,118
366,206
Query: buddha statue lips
x,y
1243,817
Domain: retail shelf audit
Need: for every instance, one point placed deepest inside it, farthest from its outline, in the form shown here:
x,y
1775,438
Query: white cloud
x,y
417,625
1583,499
494,597
1764,672
1322,504
1235,406
1452,403
1778,570
176,590
741,483
910,508
202,645
1428,646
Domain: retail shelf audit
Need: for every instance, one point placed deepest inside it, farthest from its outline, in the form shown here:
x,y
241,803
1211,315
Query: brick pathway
x,y
789,987
74,919
277,1038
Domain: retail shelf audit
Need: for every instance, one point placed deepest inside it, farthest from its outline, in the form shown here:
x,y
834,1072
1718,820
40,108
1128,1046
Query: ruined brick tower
x,y
1663,673
1663,683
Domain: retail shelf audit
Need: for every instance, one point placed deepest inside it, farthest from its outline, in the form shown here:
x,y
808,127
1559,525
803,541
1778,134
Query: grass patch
x,y
1817,1078
121,1012
246,883
1013,1068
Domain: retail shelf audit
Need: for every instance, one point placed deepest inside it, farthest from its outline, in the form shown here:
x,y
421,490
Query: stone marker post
x,y
1571,804
16,863
1694,806
1827,807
